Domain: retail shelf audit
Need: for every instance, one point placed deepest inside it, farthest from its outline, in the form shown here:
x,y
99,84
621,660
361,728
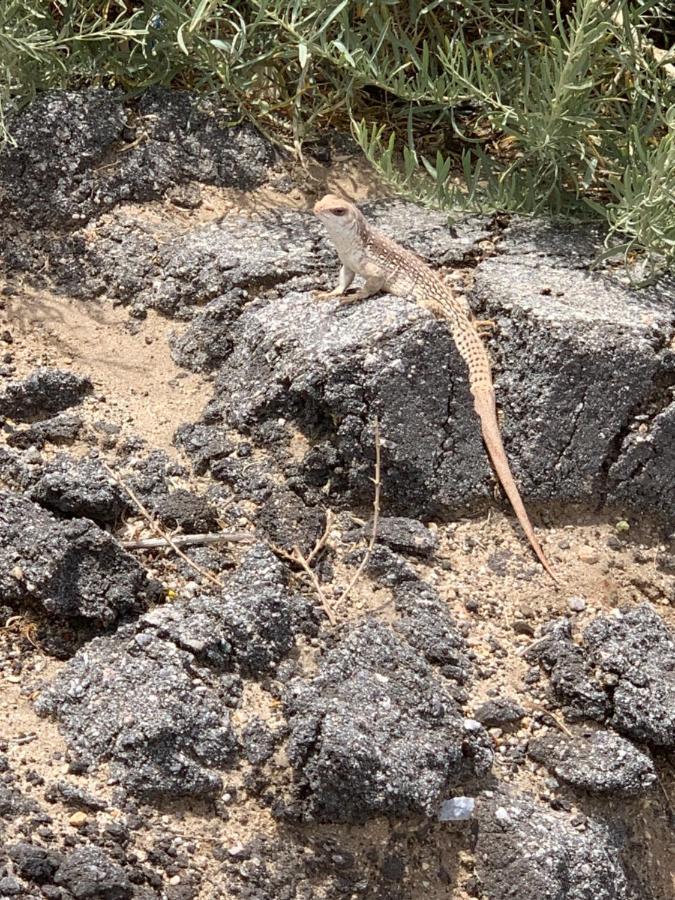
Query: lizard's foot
x,y
346,299
485,326
326,295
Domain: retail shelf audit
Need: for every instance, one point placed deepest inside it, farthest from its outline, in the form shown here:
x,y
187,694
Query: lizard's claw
x,y
485,326
326,295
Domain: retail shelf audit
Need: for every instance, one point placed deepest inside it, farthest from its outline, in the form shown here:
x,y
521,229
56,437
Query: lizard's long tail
x,y
475,355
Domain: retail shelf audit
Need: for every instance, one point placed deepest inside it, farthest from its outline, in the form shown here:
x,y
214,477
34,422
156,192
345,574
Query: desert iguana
x,y
365,251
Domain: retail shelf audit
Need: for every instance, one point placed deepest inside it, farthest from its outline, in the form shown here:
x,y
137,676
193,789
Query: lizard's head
x,y
337,215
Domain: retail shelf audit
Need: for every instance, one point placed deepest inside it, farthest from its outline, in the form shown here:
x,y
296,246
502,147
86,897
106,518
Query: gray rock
x,y
253,624
526,852
426,624
577,354
41,394
501,712
80,487
205,344
571,672
151,699
60,429
53,175
456,809
70,568
623,673
88,873
192,513
602,763
34,863
288,522
635,652
405,536
376,733
147,708
319,364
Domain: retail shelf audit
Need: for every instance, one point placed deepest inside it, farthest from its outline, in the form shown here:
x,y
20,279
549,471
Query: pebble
x,y
588,555
456,809
576,604
78,819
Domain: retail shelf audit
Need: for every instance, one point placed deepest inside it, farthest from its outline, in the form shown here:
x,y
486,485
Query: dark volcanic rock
x,y
287,521
331,368
428,626
602,763
70,568
54,175
139,702
376,733
80,487
623,673
499,713
252,624
88,873
526,852
189,511
34,863
205,344
405,536
43,393
578,355
635,652
60,429
152,698
571,672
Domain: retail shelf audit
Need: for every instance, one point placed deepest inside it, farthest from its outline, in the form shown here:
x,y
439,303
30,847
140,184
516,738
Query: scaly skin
x,y
384,265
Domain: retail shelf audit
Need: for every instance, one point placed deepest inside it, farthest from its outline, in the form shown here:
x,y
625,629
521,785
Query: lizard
x,y
385,265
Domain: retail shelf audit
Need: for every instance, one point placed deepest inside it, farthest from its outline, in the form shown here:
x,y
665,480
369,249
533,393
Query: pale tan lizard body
x,y
384,265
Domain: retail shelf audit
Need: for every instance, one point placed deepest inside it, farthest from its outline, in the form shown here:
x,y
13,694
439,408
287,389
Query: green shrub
x,y
536,107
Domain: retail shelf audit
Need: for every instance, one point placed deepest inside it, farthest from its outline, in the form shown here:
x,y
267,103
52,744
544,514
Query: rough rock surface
x,y
80,488
170,137
71,568
152,698
579,356
499,713
41,394
623,673
603,762
526,852
376,733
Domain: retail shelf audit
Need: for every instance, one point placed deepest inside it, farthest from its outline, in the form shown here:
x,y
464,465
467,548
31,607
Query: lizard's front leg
x,y
345,279
372,286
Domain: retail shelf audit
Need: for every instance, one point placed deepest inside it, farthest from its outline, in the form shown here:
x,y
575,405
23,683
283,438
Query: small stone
x,y
78,819
588,555
456,809
576,604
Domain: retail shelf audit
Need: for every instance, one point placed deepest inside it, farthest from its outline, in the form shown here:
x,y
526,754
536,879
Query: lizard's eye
x,y
338,211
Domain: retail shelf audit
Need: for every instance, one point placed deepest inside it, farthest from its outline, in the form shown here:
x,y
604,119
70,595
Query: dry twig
x,y
159,530
377,481
191,540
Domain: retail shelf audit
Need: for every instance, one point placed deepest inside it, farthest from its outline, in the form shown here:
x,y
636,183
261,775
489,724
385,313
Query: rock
x,y
34,863
147,707
150,699
426,624
253,624
204,345
53,174
577,353
88,873
635,651
576,604
41,394
456,809
526,852
72,795
206,446
330,368
405,536
570,671
376,733
500,713
601,763
258,741
9,887
80,487
70,568
588,555
288,522
192,513
385,566
61,429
